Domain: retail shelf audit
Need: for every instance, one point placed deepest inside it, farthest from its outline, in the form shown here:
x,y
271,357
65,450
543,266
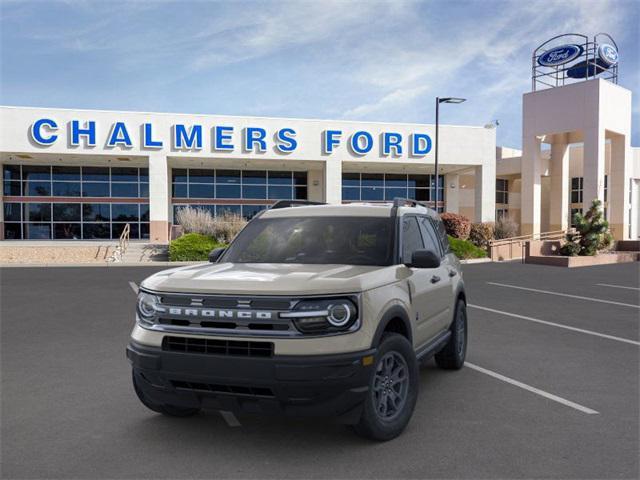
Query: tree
x,y
591,235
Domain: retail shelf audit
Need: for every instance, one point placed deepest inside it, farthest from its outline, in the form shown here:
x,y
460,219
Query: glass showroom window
x,y
246,211
206,187
576,190
379,187
63,181
502,213
502,191
74,221
78,202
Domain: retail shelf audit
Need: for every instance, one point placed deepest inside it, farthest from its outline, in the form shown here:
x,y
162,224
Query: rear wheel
x,y
170,410
393,390
452,356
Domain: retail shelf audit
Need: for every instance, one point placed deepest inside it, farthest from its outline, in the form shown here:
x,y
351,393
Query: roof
x,y
346,210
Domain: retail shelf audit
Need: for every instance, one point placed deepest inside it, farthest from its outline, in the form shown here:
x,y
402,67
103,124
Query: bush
x,y
192,247
481,234
223,227
591,235
464,249
505,227
458,226
227,226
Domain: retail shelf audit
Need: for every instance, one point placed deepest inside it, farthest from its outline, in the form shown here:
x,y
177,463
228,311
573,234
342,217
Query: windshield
x,y
319,240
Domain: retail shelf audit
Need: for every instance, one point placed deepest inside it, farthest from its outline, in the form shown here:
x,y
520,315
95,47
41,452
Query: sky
x,y
344,60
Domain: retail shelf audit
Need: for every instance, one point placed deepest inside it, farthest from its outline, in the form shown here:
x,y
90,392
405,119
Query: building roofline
x,y
18,107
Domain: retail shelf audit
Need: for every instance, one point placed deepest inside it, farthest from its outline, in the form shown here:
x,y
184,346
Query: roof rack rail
x,y
401,202
293,203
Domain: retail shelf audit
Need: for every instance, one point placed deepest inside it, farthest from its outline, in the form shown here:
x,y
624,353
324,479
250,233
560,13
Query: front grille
x,y
228,389
217,347
264,325
207,301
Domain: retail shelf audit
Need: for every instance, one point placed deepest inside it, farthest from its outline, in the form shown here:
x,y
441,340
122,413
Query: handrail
x,y
123,244
534,236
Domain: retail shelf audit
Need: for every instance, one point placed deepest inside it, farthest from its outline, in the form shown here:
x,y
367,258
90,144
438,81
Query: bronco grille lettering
x,y
213,313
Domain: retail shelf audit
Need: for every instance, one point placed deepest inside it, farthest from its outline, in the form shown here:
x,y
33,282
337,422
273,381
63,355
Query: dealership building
x,y
85,174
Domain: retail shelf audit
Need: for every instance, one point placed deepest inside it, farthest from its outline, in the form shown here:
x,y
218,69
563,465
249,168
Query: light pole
x,y
438,102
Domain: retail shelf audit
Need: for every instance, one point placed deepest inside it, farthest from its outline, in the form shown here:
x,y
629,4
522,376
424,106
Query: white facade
x,y
328,151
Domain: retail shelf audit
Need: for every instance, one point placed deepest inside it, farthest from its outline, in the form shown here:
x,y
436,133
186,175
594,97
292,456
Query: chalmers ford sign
x,y
222,138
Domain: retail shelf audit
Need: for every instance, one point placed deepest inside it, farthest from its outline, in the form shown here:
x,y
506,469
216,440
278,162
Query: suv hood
x,y
270,279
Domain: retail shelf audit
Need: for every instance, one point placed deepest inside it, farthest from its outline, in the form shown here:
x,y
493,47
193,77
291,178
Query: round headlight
x,y
339,314
146,305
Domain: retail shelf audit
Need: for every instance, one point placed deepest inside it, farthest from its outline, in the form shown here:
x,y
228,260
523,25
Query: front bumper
x,y
314,385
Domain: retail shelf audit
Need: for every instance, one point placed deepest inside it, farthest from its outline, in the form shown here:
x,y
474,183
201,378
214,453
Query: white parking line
x,y
590,299
552,324
230,418
537,391
616,286
134,287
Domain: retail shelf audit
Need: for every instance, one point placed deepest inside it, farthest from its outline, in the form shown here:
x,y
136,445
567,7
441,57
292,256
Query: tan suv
x,y
311,310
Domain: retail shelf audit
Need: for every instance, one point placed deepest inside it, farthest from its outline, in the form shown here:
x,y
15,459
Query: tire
x,y
169,410
385,415
452,356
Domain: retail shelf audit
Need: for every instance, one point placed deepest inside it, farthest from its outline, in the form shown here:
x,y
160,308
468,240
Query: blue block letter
x,y
184,139
391,140
286,140
421,144
147,138
355,142
89,131
36,131
119,136
223,135
330,140
253,136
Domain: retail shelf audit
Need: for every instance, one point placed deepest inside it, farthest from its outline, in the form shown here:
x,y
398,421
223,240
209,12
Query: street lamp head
x,y
451,100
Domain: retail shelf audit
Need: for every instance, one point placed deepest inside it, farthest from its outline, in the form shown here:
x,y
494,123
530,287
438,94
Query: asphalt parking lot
x,y
551,389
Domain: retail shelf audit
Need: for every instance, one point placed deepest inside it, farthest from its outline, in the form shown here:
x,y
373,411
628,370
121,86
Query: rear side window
x,y
411,238
442,233
429,236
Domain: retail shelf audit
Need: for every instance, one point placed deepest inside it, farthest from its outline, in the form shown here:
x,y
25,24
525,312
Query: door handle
x,y
452,273
435,279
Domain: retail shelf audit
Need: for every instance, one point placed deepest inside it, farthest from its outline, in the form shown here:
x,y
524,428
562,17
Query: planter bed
x,y
602,259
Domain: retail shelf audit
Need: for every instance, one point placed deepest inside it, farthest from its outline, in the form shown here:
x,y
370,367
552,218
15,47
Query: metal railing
x,y
123,244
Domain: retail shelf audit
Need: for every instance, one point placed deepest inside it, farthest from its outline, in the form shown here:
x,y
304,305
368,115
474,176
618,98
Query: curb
x,y
475,260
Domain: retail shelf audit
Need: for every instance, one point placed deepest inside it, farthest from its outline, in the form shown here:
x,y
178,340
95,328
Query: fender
x,y
460,294
395,311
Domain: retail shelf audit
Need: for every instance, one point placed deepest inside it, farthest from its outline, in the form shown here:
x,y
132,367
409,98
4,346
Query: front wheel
x,y
393,390
452,356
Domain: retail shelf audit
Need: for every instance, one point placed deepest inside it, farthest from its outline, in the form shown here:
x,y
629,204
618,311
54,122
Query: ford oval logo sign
x,y
608,54
560,55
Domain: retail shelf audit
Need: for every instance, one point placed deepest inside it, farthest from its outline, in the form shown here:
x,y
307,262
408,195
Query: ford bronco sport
x,y
311,310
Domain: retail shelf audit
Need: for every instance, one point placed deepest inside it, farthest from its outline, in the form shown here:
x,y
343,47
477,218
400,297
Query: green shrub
x,y
457,226
465,250
481,234
192,247
591,235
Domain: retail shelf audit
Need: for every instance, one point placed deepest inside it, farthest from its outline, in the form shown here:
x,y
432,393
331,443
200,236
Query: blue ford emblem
x,y
560,55
608,54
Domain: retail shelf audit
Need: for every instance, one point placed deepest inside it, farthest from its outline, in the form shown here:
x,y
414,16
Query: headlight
x,y
323,315
147,306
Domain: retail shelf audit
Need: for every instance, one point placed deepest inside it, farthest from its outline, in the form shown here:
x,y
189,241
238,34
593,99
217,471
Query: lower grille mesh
x,y
215,388
217,347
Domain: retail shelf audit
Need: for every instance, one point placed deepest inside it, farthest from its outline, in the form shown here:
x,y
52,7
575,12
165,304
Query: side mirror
x,y
215,254
424,259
